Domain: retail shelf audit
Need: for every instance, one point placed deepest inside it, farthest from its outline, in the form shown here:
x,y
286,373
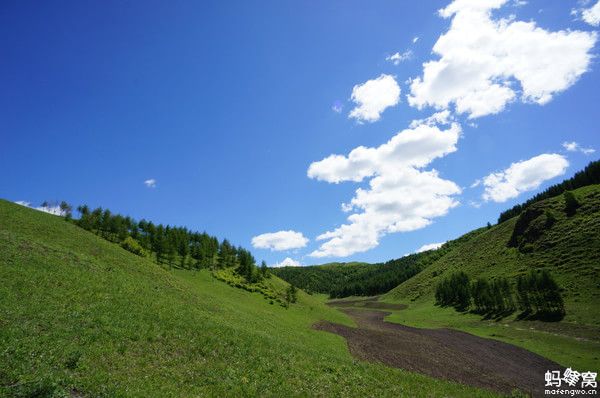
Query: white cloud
x,y
474,204
574,147
373,97
287,262
430,246
485,63
413,147
401,196
281,240
523,176
592,15
397,58
570,146
337,107
50,209
475,183
151,183
443,117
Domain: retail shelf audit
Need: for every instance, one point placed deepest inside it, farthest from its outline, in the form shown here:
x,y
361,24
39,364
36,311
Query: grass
x,y
80,316
569,249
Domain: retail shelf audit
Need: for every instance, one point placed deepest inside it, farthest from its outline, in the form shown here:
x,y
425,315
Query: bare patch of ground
x,y
441,353
370,302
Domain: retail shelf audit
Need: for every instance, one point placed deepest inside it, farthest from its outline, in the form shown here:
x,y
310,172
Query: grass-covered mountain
x,y
568,247
83,317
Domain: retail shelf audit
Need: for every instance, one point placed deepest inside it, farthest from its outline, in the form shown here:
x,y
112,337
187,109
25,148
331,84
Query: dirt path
x,y
441,353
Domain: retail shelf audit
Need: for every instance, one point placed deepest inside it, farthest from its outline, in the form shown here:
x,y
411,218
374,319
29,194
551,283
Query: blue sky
x,y
227,104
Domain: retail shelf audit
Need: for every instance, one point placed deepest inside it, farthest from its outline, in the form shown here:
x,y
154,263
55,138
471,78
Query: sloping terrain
x,y
569,249
82,317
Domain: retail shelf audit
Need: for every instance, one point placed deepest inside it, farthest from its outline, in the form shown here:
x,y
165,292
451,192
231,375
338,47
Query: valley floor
x,y
441,352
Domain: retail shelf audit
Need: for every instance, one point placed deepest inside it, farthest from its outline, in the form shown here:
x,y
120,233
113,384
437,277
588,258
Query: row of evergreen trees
x,y
588,176
175,246
537,295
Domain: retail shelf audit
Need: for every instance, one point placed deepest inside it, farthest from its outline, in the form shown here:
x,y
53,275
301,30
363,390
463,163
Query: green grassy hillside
x,y
82,317
569,249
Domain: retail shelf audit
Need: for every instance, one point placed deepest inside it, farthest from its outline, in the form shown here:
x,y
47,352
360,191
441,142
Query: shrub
x,y
134,246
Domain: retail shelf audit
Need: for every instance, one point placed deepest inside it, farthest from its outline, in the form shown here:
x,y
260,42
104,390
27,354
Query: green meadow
x,y
82,317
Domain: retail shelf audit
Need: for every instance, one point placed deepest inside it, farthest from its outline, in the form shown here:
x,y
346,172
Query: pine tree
x,y
523,294
291,294
264,270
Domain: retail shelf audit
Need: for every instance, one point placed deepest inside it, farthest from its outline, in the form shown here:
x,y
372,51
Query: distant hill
x,y
83,317
358,279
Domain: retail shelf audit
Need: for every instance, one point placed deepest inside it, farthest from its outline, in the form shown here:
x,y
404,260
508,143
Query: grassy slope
x,y
570,249
78,313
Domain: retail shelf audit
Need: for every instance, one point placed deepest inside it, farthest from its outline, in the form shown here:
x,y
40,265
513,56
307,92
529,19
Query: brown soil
x,y
441,353
370,302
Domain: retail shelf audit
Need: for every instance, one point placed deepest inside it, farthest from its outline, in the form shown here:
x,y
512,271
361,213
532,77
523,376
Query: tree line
x,y
588,176
175,246
536,294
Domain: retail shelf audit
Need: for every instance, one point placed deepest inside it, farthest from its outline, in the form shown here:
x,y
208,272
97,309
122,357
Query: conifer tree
x,y
571,203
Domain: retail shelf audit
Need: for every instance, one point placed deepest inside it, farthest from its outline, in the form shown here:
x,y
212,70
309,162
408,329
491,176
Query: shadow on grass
x,y
544,316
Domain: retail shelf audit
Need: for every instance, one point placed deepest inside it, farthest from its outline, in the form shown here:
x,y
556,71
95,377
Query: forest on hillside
x,y
173,246
358,279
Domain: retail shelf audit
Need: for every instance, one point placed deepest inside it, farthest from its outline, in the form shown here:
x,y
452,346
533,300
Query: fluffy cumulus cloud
x,y
430,246
414,147
287,262
373,97
523,176
151,183
281,240
401,195
485,63
592,15
575,147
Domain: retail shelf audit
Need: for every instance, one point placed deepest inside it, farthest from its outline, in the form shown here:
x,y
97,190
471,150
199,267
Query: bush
x,y
134,246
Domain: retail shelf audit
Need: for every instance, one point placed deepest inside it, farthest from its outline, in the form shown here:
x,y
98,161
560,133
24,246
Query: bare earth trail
x,y
441,353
